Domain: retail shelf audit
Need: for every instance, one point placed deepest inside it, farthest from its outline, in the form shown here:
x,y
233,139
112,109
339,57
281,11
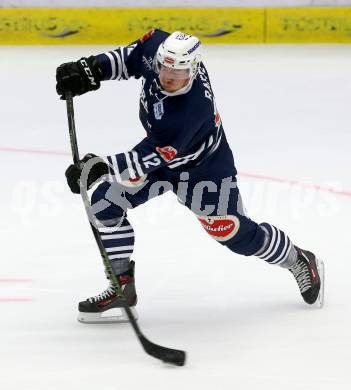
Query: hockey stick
x,y
167,355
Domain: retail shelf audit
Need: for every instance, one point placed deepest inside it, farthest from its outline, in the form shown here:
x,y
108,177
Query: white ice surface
x,y
286,112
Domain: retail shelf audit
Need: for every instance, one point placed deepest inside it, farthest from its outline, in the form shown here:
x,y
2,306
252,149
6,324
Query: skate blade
x,y
320,267
112,316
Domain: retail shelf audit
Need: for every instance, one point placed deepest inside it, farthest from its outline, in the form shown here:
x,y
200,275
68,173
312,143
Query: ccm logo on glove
x,y
88,71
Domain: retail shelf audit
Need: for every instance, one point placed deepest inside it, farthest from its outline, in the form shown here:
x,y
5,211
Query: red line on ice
x,y
296,182
15,280
13,299
252,175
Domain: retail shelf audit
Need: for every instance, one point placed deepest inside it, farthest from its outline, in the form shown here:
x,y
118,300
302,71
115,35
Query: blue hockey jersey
x,y
182,130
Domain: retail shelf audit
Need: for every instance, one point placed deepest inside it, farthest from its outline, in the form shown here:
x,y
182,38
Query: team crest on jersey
x,y
221,228
167,152
147,36
159,110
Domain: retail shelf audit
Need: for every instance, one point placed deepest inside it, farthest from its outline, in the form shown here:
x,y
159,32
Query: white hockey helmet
x,y
179,51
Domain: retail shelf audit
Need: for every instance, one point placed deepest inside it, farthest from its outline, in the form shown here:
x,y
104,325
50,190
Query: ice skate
x,y
309,275
107,307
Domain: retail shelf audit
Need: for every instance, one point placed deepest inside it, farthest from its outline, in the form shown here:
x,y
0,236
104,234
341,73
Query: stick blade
x,y
167,355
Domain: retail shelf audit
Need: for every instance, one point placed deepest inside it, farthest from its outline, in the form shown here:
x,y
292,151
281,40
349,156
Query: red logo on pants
x,y
221,228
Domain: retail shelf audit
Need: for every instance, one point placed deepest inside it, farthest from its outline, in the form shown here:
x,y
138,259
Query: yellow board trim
x,y
24,26
309,25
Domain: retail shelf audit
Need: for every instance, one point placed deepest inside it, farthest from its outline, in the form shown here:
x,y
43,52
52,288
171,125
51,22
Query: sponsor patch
x,y
169,60
158,110
194,47
147,36
167,152
221,228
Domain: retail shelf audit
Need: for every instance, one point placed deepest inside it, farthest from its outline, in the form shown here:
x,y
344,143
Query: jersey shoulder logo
x,y
168,153
147,62
147,36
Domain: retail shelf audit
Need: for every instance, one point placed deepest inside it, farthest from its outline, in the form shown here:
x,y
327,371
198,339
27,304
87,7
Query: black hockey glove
x,y
74,171
78,77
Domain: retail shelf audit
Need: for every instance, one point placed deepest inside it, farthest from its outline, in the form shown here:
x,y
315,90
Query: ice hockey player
x,y
186,147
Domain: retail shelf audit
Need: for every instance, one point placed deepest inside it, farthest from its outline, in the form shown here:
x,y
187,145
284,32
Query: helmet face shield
x,y
172,73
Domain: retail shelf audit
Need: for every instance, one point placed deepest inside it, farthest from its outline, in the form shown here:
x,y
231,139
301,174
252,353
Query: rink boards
x,y
212,25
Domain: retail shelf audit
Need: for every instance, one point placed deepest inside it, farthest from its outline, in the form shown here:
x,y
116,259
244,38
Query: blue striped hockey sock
x,y
277,247
119,244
